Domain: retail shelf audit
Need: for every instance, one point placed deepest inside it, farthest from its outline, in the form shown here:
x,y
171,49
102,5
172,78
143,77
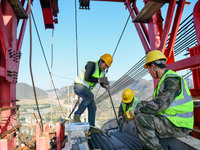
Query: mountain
x,y
143,89
25,91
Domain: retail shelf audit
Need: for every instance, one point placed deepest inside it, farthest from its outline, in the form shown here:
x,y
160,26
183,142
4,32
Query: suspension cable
x,y
62,77
122,33
47,63
118,43
137,71
76,29
30,65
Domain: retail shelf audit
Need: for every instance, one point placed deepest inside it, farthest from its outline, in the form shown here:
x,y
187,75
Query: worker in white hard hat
x,y
91,74
170,112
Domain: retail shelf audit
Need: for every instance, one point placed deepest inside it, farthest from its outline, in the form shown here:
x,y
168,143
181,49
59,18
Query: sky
x,y
99,30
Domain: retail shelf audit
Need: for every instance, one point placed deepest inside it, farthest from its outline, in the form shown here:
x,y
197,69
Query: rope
x,y
30,65
52,72
47,64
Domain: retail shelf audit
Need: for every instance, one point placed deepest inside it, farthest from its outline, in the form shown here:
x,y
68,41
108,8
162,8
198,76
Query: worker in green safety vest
x,y
170,112
129,102
89,76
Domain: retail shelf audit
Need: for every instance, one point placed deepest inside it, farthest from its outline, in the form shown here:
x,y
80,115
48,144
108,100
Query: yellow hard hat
x,y
107,58
153,56
127,96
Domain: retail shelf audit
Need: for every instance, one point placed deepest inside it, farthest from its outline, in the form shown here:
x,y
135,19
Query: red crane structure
x,y
151,30
157,36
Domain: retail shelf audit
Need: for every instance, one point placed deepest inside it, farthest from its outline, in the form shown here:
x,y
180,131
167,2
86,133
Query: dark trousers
x,y
87,102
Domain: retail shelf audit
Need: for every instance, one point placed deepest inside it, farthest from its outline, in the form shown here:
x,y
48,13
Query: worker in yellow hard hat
x,y
129,102
91,74
170,112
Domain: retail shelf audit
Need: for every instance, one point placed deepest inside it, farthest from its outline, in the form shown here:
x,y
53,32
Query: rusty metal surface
x,y
148,11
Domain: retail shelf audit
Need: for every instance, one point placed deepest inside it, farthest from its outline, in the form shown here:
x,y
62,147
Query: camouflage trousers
x,y
150,128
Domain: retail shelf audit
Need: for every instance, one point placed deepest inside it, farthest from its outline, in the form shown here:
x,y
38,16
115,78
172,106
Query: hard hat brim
x,y
127,100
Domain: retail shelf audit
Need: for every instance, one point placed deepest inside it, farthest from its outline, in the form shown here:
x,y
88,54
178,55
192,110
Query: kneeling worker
x,y
91,74
170,112
129,102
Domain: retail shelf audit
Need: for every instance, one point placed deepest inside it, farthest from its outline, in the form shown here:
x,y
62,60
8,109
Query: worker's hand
x,y
106,86
103,80
128,116
120,118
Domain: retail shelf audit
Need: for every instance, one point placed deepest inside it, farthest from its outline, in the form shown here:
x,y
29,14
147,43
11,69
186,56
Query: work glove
x,y
120,119
128,116
106,86
103,80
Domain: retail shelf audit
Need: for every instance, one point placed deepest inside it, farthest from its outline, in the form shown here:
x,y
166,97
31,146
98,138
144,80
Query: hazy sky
x,y
99,30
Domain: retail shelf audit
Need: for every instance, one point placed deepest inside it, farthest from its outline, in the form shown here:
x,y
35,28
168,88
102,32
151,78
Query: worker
x,y
129,102
91,74
170,112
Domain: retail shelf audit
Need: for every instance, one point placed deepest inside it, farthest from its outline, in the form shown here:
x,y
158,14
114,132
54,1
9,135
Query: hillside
x,y
25,91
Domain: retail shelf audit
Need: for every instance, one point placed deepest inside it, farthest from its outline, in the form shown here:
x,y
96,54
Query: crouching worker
x,y
92,73
170,112
129,102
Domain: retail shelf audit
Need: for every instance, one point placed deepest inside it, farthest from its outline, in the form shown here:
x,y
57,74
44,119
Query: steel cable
x,y
76,30
118,43
133,74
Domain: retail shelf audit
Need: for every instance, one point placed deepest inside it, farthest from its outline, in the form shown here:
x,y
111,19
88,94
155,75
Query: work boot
x,y
77,118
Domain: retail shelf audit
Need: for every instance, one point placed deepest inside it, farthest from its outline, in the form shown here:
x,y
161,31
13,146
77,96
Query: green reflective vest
x,y
80,79
135,102
180,112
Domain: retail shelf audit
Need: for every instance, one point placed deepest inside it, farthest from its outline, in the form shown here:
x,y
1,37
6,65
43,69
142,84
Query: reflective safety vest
x,y
135,102
80,79
180,112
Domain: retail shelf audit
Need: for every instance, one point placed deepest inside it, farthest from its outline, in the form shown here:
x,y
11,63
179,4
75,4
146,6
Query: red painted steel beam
x,y
195,92
196,15
3,34
110,0
9,66
58,135
22,2
169,52
155,30
4,144
138,28
22,31
143,26
193,61
47,13
167,25
195,71
37,135
2,72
